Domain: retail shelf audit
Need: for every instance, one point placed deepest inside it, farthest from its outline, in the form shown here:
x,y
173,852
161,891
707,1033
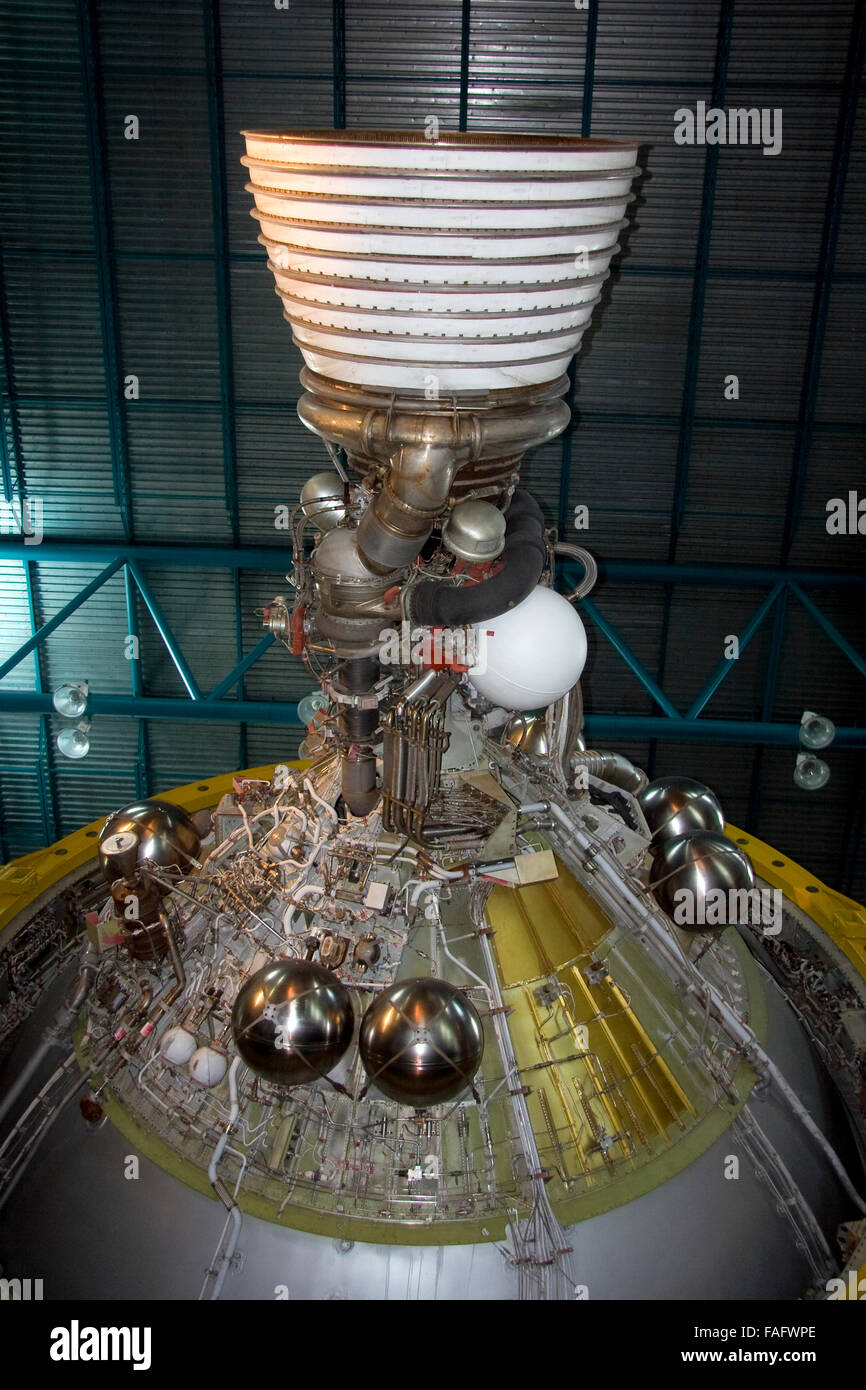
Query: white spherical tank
x,y
207,1067
531,655
177,1046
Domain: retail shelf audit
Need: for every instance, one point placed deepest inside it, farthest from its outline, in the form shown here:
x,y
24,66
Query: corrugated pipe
x,y
611,767
524,555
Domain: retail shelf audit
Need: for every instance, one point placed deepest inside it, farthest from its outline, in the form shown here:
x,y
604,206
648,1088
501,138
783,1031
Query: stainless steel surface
x,y
421,1042
474,531
347,586
154,830
676,805
528,732
413,743
699,864
322,501
489,431
610,767
564,721
585,585
292,1022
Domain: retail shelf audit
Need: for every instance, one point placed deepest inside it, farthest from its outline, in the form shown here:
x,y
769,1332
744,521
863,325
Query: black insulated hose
x,y
524,555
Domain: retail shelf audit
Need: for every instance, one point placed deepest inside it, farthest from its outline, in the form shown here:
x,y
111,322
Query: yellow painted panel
x,y
843,919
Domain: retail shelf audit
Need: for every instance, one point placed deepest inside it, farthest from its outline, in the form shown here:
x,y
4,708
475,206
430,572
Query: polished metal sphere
x,y
155,830
528,732
421,1042
322,501
474,531
696,879
292,1022
675,806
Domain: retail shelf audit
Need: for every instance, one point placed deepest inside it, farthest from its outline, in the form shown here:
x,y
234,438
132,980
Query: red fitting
x,y
478,570
299,640
443,665
91,1110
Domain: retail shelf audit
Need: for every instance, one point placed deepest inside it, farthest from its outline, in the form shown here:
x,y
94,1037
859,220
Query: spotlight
x,y
816,731
70,700
74,742
810,773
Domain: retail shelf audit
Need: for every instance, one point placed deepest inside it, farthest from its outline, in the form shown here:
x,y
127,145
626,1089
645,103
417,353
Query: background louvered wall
x,y
619,68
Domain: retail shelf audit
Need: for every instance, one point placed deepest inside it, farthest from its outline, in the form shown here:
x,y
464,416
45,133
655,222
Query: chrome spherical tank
x,y
528,733
421,1042
292,1022
154,830
702,881
322,501
675,806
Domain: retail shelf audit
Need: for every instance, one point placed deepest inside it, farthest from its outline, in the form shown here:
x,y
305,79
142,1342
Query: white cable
x,y
422,886
315,795
303,892
234,1211
247,826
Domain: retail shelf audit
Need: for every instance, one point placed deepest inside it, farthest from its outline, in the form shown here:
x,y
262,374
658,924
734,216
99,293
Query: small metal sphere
x,y
292,1022
155,830
421,1042
322,501
528,733
678,805
695,880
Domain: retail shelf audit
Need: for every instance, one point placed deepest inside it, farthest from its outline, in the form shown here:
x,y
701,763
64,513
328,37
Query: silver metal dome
x,y
692,872
322,501
154,830
475,531
421,1042
677,805
292,1022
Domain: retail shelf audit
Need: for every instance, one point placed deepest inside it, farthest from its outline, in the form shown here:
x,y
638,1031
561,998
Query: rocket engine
x,y
437,290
